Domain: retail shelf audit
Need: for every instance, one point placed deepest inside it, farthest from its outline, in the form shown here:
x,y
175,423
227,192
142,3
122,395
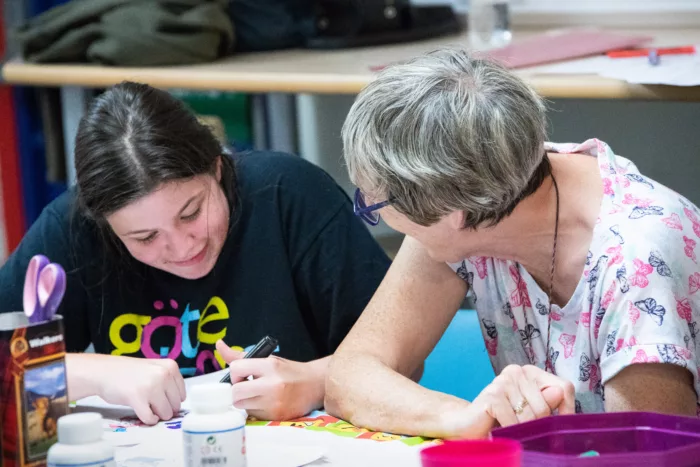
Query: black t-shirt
x,y
297,265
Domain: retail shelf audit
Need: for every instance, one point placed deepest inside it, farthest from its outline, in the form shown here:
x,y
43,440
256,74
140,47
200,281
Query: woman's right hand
x,y
154,388
519,394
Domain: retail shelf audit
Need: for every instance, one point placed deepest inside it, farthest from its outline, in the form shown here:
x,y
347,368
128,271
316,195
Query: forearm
x,y
368,394
80,374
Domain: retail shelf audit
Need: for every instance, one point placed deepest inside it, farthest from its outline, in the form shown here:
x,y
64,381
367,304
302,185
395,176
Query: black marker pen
x,y
263,349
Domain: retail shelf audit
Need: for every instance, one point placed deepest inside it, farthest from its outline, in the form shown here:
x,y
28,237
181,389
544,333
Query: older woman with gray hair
x,y
583,271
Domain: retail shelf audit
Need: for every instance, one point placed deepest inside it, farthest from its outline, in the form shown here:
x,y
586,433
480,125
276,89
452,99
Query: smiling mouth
x,y
196,259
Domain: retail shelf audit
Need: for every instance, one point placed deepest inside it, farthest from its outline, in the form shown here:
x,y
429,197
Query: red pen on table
x,y
628,53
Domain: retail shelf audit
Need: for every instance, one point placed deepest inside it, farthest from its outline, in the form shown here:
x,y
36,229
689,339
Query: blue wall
x,y
459,364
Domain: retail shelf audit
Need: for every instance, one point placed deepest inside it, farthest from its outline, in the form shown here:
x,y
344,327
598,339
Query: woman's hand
x,y
281,389
154,388
519,394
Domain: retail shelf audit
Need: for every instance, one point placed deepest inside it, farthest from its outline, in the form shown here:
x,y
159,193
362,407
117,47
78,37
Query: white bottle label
x,y
103,463
215,448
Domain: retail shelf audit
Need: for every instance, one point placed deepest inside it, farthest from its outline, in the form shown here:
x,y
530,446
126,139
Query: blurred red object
x,y
9,161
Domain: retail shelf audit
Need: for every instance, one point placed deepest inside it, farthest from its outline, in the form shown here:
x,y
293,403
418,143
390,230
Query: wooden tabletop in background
x,y
344,71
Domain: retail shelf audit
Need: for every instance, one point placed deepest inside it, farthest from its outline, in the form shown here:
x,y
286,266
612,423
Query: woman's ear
x,y
455,220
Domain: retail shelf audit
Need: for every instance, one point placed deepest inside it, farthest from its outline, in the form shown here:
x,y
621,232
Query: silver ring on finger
x,y
518,409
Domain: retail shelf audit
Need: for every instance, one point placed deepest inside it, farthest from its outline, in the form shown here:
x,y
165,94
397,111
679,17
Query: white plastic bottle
x,y
214,431
80,443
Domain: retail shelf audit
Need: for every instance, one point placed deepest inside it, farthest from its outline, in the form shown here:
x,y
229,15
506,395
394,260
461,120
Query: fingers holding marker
x,y
249,389
255,367
227,353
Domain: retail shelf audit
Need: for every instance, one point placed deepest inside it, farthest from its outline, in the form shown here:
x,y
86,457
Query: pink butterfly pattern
x,y
641,271
492,346
616,209
615,253
519,297
642,357
642,203
633,313
673,222
694,282
609,295
568,341
620,344
684,310
623,181
683,352
607,187
694,219
480,265
585,319
689,249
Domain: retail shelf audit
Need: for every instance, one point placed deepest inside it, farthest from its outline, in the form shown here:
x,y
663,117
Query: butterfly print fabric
x,y
638,299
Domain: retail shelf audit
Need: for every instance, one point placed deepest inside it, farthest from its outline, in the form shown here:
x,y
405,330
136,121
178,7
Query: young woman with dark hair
x,y
173,247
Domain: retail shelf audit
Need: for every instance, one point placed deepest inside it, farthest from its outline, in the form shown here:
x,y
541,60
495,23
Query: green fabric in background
x,y
129,32
232,108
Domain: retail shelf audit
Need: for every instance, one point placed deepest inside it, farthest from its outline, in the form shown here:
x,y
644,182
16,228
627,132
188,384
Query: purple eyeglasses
x,y
368,213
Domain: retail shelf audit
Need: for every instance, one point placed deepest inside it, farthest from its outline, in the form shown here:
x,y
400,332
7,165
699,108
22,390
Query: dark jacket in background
x,y
129,32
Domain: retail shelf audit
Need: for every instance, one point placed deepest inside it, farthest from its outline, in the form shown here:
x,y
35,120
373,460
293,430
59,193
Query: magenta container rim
x,y
582,423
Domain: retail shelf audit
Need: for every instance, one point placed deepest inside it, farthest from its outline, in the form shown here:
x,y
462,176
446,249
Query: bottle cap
x,y
211,397
80,428
499,452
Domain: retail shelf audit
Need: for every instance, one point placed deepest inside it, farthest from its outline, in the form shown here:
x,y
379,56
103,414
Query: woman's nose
x,y
182,244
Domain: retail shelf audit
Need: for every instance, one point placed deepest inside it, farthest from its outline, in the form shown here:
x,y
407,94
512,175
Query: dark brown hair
x,y
134,138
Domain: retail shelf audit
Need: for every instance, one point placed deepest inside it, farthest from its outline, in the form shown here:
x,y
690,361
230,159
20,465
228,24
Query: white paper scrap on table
x,y
275,447
338,450
163,447
674,70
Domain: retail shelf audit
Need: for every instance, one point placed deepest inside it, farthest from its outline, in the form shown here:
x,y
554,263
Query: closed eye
x,y
147,240
193,216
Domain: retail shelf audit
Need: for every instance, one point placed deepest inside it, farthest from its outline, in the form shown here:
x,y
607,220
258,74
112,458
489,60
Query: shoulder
x,y
287,180
59,216
258,169
63,207
640,215
653,252
63,213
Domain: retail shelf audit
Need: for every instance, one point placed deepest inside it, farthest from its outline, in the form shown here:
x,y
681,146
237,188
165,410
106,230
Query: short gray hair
x,y
446,132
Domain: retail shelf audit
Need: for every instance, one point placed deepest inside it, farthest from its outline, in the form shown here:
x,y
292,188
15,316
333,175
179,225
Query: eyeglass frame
x,y
365,212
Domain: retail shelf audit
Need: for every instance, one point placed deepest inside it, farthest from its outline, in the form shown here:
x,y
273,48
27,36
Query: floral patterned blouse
x,y
637,301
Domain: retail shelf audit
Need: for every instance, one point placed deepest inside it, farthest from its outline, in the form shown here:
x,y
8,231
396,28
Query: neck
x,y
527,235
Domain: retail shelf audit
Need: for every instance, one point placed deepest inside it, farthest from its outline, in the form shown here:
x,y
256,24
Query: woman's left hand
x,y
281,389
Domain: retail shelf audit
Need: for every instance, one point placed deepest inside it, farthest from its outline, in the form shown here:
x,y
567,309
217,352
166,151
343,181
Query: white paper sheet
x,y
276,447
674,70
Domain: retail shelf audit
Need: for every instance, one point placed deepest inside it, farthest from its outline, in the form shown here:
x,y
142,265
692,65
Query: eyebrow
x,y
183,209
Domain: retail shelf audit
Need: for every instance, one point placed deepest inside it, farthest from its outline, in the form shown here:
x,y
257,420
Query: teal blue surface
x,y
459,364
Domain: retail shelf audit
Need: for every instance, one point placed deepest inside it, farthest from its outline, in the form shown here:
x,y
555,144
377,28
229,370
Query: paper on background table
x,y
562,44
555,46
674,70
